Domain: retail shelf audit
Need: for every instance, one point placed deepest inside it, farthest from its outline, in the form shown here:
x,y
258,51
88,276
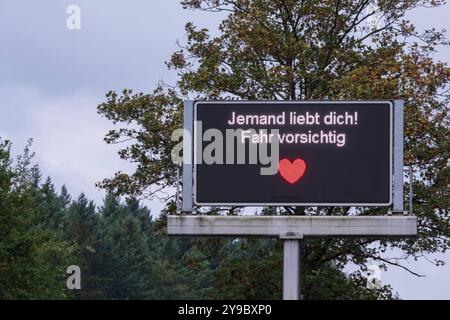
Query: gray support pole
x,y
177,197
398,156
188,115
291,269
300,268
411,180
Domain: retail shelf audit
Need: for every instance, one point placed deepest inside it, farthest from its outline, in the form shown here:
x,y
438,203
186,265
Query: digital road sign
x,y
306,153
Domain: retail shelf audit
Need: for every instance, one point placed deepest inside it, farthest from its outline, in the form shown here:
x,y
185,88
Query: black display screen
x,y
330,152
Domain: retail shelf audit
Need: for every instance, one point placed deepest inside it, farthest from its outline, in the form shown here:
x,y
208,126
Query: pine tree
x,y
81,226
124,250
32,258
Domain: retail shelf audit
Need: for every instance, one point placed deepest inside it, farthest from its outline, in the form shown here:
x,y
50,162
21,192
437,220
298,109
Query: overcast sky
x,y
52,79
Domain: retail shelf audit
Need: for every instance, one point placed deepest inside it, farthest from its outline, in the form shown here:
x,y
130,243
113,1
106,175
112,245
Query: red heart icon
x,y
292,171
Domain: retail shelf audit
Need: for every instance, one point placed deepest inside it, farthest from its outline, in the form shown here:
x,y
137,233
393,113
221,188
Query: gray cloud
x,y
121,44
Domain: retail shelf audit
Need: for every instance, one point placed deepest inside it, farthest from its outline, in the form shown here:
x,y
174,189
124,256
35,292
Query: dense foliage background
x,y
266,49
124,253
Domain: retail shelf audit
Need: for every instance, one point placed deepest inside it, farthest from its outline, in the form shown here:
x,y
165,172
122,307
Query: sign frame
x,y
217,103
289,234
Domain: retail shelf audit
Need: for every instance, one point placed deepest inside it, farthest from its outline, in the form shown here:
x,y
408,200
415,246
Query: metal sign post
x,y
292,229
291,266
187,156
398,158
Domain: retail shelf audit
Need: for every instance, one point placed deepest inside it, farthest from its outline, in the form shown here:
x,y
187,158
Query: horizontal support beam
x,y
308,226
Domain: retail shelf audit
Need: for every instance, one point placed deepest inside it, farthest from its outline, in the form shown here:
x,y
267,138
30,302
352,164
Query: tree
x,y
52,205
126,266
33,257
250,269
284,50
81,227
